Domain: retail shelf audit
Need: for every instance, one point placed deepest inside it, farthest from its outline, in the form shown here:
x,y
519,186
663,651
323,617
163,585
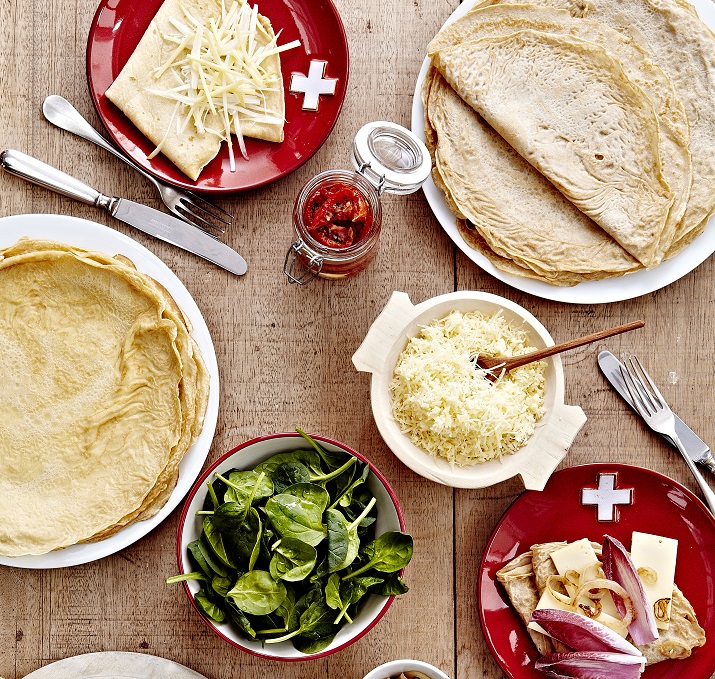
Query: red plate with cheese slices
x,y
118,26
630,499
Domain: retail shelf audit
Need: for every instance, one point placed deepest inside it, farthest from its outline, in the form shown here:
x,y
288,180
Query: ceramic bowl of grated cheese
x,y
441,417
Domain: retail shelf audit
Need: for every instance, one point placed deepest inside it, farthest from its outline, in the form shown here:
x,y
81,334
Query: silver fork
x,y
189,206
656,413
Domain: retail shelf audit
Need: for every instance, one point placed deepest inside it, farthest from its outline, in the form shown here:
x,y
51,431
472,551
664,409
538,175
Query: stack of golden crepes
x,y
525,578
103,392
573,140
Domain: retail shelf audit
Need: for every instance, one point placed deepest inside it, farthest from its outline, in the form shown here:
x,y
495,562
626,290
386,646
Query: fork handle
x,y
62,114
704,487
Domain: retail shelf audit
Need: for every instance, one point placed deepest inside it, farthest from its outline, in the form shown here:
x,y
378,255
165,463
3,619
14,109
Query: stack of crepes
x,y
103,392
526,577
573,140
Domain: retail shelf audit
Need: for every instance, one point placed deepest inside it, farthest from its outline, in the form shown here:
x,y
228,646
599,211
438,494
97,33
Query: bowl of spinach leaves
x,y
292,546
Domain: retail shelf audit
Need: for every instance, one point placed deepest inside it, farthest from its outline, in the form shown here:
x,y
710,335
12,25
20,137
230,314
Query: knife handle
x,y
708,461
37,172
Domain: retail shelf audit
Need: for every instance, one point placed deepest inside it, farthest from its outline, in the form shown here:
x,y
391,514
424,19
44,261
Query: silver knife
x,y
145,218
696,448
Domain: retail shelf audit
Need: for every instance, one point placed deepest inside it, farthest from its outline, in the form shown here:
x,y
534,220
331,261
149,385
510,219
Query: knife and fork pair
x,y
636,387
194,229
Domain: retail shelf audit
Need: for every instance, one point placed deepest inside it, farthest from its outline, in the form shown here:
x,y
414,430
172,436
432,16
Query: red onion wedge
x,y
591,665
581,633
617,565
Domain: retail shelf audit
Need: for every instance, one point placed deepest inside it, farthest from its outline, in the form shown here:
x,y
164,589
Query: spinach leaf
x,y
390,552
315,623
240,618
308,458
393,585
257,593
198,557
351,592
292,560
307,645
288,474
332,460
246,487
311,492
294,517
208,608
221,585
215,540
257,544
338,541
208,556
344,498
183,577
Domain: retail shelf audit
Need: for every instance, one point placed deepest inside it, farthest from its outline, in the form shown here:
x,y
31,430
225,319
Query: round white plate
x,y
93,236
114,665
591,292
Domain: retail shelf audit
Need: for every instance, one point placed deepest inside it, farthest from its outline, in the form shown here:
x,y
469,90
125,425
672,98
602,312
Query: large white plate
x,y
91,235
592,292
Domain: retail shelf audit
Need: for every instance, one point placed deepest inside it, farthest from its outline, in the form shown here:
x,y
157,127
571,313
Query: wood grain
x,y
284,360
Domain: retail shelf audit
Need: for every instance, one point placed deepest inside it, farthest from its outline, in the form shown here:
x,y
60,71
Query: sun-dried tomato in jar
x,y
337,215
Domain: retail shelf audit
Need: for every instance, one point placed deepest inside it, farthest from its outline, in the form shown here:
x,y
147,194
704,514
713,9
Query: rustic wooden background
x,y
284,359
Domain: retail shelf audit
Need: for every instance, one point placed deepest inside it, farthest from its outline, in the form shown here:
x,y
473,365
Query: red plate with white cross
x,y
591,501
315,77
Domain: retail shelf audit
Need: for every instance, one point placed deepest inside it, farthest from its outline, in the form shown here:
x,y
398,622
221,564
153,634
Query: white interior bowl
x,y
399,321
247,456
394,667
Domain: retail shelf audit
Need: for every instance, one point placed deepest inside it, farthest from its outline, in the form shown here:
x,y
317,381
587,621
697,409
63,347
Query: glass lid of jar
x,y
391,157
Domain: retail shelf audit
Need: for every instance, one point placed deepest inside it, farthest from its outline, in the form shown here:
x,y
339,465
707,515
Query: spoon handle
x,y
518,361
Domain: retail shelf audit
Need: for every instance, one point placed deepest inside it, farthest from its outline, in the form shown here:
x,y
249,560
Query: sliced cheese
x,y
654,557
579,556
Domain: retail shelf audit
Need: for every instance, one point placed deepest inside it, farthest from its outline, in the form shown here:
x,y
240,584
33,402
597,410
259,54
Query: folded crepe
x,y
517,212
673,129
684,48
156,116
520,576
567,107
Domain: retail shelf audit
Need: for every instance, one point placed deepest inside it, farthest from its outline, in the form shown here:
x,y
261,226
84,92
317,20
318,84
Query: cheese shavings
x,y
446,406
221,73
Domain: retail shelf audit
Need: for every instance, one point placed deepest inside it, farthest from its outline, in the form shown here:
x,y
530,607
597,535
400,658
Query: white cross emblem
x,y
606,497
314,85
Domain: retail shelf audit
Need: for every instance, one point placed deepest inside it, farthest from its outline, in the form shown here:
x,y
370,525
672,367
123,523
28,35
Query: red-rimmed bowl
x,y
246,456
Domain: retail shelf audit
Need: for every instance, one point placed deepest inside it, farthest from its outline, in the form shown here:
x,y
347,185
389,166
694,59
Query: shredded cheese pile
x,y
447,407
221,75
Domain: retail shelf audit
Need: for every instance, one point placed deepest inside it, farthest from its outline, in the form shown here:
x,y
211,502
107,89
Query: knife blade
x,y
697,449
147,219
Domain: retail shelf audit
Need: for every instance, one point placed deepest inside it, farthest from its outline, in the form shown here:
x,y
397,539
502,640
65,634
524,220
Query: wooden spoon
x,y
496,364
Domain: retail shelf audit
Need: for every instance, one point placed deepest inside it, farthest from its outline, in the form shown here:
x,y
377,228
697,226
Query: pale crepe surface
x,y
189,150
673,126
105,392
519,578
684,47
567,107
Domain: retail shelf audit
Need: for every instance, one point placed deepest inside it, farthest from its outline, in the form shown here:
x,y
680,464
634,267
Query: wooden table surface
x,y
284,360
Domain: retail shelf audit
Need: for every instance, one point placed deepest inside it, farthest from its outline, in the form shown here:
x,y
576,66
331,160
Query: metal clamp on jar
x,y
337,214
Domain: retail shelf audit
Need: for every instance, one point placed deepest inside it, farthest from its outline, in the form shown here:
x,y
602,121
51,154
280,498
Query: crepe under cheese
x,y
104,391
161,118
567,107
525,577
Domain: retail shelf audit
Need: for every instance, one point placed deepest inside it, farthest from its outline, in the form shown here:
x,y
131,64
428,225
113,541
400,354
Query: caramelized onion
x,y
628,611
648,575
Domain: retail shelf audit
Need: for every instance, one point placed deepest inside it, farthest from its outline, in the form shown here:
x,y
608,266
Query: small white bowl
x,y
247,456
399,321
394,667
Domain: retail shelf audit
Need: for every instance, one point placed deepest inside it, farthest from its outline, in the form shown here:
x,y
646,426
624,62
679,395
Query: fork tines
x,y
201,210
644,393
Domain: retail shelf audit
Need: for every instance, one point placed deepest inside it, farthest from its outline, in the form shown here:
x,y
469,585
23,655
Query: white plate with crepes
x,y
591,292
90,235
